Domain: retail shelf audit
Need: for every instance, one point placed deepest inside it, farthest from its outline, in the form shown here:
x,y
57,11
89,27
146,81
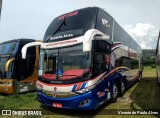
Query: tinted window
x,y
126,62
2,47
99,64
120,35
31,51
123,61
21,45
102,46
104,23
118,62
8,48
12,47
134,64
81,19
25,67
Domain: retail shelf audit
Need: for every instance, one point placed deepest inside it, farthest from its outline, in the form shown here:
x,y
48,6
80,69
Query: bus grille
x,y
59,94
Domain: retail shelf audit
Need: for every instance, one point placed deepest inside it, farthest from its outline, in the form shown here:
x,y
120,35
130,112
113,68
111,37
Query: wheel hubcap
x,y
139,78
122,87
115,91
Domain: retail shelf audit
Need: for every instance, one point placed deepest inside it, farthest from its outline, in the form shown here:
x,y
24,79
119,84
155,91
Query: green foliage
x,y
149,62
149,57
153,65
148,53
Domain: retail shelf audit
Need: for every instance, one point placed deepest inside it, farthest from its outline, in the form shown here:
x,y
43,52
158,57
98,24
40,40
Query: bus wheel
x,y
122,89
115,92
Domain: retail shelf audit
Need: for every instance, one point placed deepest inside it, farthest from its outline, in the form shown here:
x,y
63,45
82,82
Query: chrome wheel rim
x,y
122,87
115,91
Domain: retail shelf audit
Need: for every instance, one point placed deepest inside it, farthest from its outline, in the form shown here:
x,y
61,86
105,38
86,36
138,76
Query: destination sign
x,y
65,35
61,36
68,15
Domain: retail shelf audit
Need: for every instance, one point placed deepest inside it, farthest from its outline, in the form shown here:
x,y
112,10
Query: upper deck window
x,y
71,25
8,48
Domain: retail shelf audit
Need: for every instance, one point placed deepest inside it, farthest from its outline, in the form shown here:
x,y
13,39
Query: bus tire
x,y
122,88
115,92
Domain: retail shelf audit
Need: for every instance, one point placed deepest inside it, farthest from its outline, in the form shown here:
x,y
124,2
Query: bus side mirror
x,y
25,47
8,63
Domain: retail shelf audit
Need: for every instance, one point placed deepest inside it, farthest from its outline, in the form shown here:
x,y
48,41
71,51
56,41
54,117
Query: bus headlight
x,y
39,86
85,90
8,83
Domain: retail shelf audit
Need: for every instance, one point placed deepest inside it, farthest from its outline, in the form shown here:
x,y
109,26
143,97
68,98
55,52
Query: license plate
x,y
58,105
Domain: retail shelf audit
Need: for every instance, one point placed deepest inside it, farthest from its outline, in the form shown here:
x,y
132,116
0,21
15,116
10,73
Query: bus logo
x,y
105,23
55,88
40,85
54,95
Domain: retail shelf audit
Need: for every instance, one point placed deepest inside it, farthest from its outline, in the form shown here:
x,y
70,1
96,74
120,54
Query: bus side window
x,y
99,64
25,67
31,51
100,48
31,57
126,62
118,62
134,64
104,23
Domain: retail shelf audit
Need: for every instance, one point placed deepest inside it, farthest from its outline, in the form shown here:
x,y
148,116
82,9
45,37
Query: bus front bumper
x,y
5,87
81,102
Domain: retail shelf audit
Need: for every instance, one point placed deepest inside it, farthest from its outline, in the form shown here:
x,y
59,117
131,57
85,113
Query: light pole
x,y
0,7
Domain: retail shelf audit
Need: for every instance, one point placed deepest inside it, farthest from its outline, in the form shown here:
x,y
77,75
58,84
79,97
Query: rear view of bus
x,y
85,60
158,59
16,74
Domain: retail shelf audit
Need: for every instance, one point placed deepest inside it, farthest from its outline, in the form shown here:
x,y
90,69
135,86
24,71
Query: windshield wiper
x,y
63,23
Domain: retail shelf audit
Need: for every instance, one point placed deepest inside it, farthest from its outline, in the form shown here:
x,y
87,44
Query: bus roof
x,y
86,8
17,40
117,33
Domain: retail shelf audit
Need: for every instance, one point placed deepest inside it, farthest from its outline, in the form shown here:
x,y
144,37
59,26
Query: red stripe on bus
x,y
79,86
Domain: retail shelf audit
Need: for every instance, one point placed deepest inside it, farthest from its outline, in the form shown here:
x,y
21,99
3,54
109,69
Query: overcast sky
x,y
30,18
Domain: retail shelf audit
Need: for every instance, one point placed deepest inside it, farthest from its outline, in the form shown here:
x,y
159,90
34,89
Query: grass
x,y
22,101
142,96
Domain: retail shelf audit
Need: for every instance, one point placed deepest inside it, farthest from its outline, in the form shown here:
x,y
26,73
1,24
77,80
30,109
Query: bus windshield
x,y
70,25
64,63
8,48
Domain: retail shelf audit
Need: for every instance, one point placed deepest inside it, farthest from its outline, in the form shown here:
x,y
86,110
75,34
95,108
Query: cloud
x,y
145,34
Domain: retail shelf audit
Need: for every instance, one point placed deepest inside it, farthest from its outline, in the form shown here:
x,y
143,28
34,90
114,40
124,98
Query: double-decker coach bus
x,y
158,59
86,58
16,74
